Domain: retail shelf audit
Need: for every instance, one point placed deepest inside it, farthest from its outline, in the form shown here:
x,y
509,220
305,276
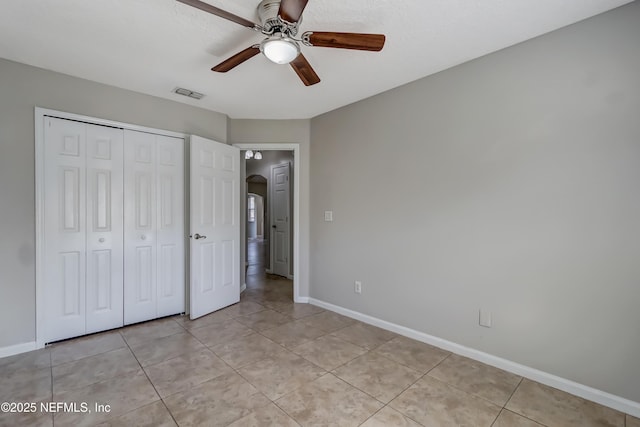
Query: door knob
x,y
273,226
199,236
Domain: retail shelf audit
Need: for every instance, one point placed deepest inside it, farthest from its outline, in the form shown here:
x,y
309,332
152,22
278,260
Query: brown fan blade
x,y
304,70
372,42
291,10
219,12
236,59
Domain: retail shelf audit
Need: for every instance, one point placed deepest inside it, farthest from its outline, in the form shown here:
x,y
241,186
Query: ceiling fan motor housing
x,y
271,23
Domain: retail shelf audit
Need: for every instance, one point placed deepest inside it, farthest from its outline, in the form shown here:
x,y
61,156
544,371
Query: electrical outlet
x,y
485,318
357,287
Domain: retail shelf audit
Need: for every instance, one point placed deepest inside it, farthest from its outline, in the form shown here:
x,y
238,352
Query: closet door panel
x,y
105,251
140,237
171,234
64,229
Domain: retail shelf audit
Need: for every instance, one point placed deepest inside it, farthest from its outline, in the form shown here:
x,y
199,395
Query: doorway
x,y
256,264
255,171
255,216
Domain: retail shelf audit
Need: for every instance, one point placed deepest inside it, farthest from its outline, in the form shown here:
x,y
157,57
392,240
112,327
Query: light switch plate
x,y
357,287
328,216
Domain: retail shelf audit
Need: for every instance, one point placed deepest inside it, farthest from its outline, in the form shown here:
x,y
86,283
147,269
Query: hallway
x,y
256,257
260,284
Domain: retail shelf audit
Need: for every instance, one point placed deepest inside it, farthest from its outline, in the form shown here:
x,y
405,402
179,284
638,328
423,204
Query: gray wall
x,y
21,89
278,132
509,183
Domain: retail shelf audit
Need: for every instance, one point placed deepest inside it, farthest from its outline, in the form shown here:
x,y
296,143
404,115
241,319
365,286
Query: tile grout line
x,y
472,394
230,367
367,351
372,415
259,332
513,392
410,385
237,372
514,412
53,421
150,382
498,416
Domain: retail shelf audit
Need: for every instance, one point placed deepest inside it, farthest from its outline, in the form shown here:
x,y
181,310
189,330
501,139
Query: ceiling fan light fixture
x,y
281,50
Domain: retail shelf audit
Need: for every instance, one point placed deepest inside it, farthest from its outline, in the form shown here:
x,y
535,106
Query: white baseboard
x,y
18,348
607,399
301,300
268,271
243,287
290,276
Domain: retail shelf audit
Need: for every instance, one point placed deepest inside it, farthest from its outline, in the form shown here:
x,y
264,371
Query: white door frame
x,y
295,147
39,116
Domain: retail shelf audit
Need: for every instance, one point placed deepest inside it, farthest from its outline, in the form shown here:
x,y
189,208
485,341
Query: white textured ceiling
x,y
154,46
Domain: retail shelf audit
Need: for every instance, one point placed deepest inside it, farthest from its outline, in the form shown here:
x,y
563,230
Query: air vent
x,y
189,93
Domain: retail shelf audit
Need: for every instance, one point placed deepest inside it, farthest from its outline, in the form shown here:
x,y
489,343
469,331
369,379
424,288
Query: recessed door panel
x,y
280,244
144,151
167,280
227,264
144,274
206,158
168,156
71,143
101,267
207,195
70,198
227,203
166,202
102,201
144,200
227,163
72,281
208,268
101,149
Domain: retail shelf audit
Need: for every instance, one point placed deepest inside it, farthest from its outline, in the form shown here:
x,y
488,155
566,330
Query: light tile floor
x,y
269,362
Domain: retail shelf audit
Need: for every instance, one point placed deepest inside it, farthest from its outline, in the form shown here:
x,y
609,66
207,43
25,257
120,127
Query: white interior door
x,y
280,219
215,226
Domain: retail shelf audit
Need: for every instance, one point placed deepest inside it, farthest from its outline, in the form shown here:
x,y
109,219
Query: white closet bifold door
x,y
154,226
171,237
82,228
105,251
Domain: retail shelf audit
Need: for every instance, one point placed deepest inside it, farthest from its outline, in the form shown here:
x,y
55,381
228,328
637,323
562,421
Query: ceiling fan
x,y
280,20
